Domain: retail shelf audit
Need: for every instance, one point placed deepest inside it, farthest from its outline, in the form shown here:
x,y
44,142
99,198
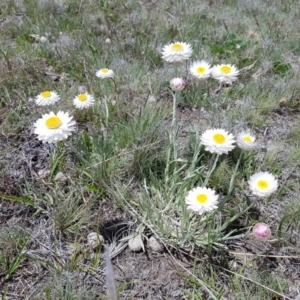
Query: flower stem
x,y
172,140
176,69
168,159
115,85
211,170
174,125
234,173
106,111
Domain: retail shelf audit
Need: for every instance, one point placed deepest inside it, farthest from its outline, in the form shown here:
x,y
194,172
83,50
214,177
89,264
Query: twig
x,y
110,280
264,255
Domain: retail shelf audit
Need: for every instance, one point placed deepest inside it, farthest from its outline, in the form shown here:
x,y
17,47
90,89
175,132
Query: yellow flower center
x,y
177,47
46,94
226,69
53,122
202,198
262,184
247,138
219,138
82,97
201,70
104,70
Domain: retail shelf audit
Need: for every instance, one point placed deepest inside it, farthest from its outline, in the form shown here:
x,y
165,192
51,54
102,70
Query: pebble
x,y
154,245
43,173
135,244
95,239
60,176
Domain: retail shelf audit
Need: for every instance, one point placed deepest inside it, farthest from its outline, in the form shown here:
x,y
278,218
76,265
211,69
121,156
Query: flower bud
x,y
261,231
177,84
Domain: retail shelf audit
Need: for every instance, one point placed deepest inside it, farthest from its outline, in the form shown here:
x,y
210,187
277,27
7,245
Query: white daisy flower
x,y
201,199
225,73
177,52
247,141
177,84
83,101
217,141
53,127
105,73
46,98
263,184
200,69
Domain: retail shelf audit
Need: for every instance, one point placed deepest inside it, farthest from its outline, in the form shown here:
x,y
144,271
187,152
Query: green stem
x,y
211,170
172,140
56,159
234,173
207,88
176,69
115,85
174,125
106,111
168,160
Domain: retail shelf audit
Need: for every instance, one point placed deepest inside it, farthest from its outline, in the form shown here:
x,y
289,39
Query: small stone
x,y
60,176
82,89
95,239
135,244
283,101
154,245
43,39
43,173
152,99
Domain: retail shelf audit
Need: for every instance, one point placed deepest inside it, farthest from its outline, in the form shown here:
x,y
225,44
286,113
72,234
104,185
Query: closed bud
x,y
177,84
261,231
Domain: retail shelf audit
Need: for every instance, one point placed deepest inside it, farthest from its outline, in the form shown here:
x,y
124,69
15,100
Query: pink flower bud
x,y
261,231
177,84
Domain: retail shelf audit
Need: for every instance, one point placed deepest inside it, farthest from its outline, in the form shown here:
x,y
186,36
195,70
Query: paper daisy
x,y
177,84
105,73
225,73
46,98
83,101
217,141
200,69
201,199
177,52
263,184
53,127
246,141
